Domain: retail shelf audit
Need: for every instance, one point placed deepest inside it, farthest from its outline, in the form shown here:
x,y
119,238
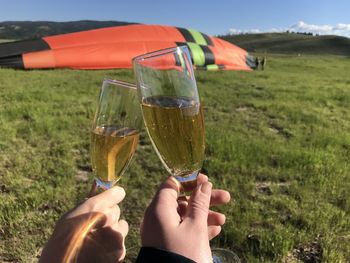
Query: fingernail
x,y
224,220
206,188
203,175
119,189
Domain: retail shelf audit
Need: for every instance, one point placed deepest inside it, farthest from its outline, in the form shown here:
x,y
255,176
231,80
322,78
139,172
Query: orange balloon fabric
x,y
115,47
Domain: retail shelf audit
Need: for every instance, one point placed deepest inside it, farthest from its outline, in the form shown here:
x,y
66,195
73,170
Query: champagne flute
x,y
172,111
114,132
173,116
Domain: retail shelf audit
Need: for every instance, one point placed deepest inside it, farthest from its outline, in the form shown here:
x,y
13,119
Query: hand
x,y
184,227
92,232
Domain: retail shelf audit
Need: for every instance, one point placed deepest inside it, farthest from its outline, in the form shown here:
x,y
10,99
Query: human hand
x,y
184,227
91,232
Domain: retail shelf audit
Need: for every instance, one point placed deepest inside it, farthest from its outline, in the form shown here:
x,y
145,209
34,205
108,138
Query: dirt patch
x,y
274,128
241,108
263,188
3,189
82,176
307,253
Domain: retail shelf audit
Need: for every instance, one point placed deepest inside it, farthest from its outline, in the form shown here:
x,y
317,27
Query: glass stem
x,y
188,183
99,186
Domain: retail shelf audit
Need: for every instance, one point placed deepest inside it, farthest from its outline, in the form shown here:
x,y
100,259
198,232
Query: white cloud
x,y
235,31
343,27
275,30
301,26
338,29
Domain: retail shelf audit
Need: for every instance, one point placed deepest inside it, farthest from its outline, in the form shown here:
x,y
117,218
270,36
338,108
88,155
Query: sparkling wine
x,y
176,129
112,148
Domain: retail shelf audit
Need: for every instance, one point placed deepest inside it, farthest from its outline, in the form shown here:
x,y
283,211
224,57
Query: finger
x,y
164,206
216,218
124,230
167,193
190,186
112,215
121,227
219,197
182,207
170,187
213,231
198,204
109,197
202,178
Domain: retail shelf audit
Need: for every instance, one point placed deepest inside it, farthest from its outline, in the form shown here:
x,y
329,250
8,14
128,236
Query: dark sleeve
x,y
155,255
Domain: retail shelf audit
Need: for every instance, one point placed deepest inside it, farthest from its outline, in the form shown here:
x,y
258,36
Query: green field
x,y
292,43
278,140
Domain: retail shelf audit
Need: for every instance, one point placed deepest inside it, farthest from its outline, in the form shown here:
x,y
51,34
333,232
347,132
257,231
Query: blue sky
x,y
211,17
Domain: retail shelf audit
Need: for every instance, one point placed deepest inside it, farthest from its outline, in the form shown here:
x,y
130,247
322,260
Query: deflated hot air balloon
x,y
115,47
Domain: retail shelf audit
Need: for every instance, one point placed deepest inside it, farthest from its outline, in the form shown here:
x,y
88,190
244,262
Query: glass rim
x,y
158,53
120,83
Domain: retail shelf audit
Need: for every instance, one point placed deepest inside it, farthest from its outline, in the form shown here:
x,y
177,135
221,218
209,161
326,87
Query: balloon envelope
x,y
115,47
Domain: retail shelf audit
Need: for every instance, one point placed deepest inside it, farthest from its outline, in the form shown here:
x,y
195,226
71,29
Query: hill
x,y
291,43
34,29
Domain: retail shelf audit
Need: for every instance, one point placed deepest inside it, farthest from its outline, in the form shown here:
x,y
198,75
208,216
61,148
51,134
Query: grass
x,y
292,43
277,139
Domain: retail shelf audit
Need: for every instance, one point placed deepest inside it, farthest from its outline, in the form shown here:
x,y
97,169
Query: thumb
x,y
164,204
168,190
198,205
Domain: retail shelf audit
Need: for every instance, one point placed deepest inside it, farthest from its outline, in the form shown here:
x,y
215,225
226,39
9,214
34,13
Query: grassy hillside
x,y
291,43
277,139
